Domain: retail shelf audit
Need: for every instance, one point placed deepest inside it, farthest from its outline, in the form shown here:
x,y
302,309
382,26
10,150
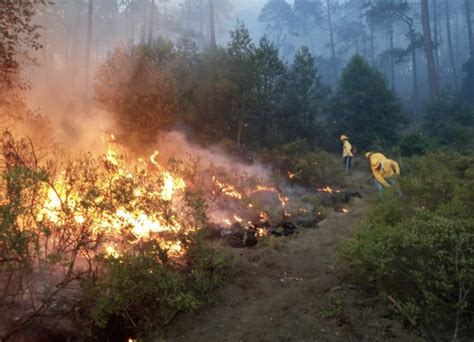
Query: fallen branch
x,y
399,308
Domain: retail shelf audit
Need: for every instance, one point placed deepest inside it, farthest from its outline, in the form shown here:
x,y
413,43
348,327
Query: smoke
x,y
175,145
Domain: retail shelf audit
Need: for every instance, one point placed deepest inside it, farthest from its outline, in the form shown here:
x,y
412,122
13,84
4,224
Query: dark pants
x,y
347,162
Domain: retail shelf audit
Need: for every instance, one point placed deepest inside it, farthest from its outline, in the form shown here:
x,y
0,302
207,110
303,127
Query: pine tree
x,y
364,107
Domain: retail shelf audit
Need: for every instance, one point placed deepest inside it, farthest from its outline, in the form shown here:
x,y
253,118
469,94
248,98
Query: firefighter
x,y
346,153
384,170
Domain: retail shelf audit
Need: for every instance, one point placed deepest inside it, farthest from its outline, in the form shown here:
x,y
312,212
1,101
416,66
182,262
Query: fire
x,y
261,232
291,175
263,217
283,199
63,204
327,189
227,189
153,157
344,210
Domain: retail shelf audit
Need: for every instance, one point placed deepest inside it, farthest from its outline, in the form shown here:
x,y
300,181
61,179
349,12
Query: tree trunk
x,y
151,20
75,37
433,80
392,62
436,40
132,22
331,40
415,77
45,45
144,27
450,46
469,28
88,43
187,5
212,29
372,45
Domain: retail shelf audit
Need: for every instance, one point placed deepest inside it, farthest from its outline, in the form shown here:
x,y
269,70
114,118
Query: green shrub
x,y
414,144
142,290
420,248
309,168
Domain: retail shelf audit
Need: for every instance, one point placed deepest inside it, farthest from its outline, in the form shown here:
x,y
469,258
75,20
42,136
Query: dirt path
x,y
295,293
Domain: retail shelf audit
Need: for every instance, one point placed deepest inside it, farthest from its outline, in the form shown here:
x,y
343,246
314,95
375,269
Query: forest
x,y
178,170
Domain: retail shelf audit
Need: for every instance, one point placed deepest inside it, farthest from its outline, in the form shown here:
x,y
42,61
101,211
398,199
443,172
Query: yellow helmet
x,y
368,154
344,137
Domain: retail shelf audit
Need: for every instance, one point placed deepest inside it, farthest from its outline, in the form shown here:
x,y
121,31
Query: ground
x,y
297,292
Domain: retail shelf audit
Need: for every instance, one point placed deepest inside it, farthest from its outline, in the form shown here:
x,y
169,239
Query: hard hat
x,y
368,154
344,137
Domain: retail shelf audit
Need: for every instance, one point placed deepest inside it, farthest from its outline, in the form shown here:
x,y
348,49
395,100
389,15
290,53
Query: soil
x,y
293,289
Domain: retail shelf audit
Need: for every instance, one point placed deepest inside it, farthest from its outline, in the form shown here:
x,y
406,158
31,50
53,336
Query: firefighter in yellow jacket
x,y
346,152
384,170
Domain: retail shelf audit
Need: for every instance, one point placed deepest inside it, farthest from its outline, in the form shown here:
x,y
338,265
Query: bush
x,y
414,144
420,248
138,292
307,167
450,122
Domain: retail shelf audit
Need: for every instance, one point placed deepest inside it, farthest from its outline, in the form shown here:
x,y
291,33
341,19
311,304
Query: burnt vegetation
x,y
115,242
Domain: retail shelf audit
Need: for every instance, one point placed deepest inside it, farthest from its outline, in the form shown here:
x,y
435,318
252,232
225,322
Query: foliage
x,y
467,87
306,97
58,220
244,93
419,249
364,107
308,167
278,18
414,144
450,122
138,292
19,35
143,98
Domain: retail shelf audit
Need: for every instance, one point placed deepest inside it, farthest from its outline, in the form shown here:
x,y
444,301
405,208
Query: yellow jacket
x,y
383,168
347,149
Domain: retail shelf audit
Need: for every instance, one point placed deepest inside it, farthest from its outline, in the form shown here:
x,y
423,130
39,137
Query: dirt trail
x,y
296,293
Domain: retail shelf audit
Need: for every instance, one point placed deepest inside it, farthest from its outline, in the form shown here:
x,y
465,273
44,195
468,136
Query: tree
x,y
134,85
241,51
212,28
385,14
469,27
269,91
450,45
305,96
90,10
432,77
450,122
364,107
20,34
278,18
320,12
467,88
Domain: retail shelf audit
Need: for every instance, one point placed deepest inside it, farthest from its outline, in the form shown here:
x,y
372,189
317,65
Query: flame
x,y
283,199
227,189
327,189
153,157
263,217
291,175
62,205
344,210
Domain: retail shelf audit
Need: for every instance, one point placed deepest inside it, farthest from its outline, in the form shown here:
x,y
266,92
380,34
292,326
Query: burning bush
x,y
96,221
